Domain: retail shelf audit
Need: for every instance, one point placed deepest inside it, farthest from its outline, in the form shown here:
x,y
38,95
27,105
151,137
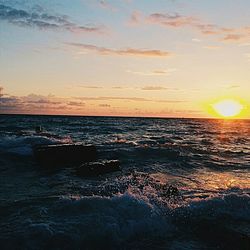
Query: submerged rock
x,y
38,129
98,168
64,154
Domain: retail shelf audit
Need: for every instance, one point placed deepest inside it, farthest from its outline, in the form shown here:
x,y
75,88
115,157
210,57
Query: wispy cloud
x,y
157,72
133,99
75,104
110,98
234,86
211,47
233,37
135,18
89,86
176,20
196,40
154,88
106,5
43,20
120,52
172,20
104,105
117,87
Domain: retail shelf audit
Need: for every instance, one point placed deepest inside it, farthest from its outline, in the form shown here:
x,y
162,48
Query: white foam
x,y
22,145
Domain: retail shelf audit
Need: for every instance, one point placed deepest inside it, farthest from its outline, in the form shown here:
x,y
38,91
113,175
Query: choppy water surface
x,y
207,160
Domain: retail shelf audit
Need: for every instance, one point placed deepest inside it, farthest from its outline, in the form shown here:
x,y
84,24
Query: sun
x,y
228,108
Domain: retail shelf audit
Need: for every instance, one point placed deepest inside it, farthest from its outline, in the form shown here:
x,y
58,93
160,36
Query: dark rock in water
x,y
64,154
38,129
98,168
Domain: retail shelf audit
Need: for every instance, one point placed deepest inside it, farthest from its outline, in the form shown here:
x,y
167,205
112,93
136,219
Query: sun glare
x,y
228,108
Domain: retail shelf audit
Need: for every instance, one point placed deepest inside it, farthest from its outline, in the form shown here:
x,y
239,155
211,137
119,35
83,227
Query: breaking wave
x,y
126,221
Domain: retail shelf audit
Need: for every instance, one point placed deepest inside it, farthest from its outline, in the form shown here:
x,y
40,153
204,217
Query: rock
x,y
98,168
64,154
38,129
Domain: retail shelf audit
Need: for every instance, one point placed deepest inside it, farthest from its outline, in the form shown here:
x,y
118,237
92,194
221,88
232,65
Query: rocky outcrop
x,y
98,168
64,154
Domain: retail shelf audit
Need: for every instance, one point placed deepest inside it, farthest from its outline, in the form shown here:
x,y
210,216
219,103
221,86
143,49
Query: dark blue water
x,y
208,161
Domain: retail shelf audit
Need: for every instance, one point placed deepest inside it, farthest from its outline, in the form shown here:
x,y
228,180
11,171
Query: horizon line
x,y
121,116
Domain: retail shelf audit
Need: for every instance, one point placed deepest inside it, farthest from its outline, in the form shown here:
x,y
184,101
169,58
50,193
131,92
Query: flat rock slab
x,y
98,168
64,154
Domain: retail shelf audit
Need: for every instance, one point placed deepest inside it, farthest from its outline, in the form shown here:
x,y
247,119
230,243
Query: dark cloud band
x,y
43,20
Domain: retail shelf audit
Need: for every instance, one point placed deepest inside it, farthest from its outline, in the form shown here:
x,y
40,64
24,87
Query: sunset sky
x,y
166,58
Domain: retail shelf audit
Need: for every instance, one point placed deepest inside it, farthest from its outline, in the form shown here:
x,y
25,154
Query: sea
x,y
183,184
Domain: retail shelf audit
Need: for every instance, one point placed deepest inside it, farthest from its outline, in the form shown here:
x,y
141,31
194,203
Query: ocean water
x,y
208,161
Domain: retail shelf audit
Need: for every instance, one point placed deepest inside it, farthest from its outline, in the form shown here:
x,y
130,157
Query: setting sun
x,y
228,108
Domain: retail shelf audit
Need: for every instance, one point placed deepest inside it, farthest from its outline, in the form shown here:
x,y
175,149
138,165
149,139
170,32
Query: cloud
x,y
120,52
38,104
110,98
196,40
133,99
117,87
233,37
73,103
233,86
176,21
50,104
226,34
105,5
44,21
158,72
89,87
212,47
39,99
104,105
135,18
9,104
154,88
170,20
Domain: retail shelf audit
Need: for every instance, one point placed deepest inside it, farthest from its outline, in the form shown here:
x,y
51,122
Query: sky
x,y
165,58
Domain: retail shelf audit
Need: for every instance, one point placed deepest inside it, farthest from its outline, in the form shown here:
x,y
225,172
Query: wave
x,y
192,191
22,145
126,221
